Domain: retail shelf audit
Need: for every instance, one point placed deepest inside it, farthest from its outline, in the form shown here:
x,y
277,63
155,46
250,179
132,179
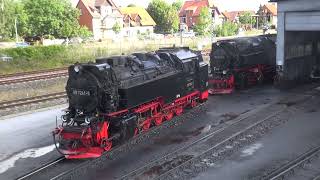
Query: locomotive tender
x,y
116,98
241,62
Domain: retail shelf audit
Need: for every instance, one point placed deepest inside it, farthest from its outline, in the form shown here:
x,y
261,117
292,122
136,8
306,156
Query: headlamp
x,y
77,68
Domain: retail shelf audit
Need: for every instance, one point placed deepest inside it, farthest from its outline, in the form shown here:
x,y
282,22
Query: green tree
x,y
227,29
22,20
177,5
116,28
8,14
84,32
54,17
131,5
165,16
246,18
204,22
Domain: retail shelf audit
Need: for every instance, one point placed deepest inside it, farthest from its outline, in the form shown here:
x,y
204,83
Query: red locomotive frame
x,y
151,113
254,75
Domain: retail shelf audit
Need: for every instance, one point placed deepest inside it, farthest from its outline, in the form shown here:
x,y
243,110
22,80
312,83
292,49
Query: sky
x,y
223,5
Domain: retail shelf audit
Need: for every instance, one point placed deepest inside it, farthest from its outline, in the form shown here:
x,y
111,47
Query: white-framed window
x,y
184,20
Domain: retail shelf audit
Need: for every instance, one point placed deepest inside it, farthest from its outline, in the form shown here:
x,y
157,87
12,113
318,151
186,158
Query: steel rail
x,y
31,72
32,78
34,171
113,150
140,170
285,169
221,143
32,100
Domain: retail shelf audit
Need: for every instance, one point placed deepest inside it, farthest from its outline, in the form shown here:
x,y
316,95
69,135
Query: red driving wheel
x,y
169,116
107,145
193,103
146,124
158,120
179,111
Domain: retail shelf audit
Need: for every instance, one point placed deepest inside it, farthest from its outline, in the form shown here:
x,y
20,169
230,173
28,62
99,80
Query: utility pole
x,y
2,14
16,29
181,29
2,5
212,25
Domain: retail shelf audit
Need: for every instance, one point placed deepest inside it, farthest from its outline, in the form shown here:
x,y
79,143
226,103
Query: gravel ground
x,y
214,115
30,89
219,111
32,107
216,155
283,143
309,170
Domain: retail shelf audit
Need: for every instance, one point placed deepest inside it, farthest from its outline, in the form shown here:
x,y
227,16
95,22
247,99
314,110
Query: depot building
x,y
298,40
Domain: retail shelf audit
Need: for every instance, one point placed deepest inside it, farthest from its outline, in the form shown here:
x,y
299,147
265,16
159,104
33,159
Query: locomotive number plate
x,y
81,92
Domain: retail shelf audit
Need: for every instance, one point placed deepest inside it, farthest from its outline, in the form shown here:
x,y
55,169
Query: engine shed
x,y
298,40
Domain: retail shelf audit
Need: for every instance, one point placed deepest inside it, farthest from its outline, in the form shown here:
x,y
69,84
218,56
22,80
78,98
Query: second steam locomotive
x,y
240,62
116,98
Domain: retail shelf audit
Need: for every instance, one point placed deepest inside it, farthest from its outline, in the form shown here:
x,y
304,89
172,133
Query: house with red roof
x,y
99,16
233,16
269,14
190,11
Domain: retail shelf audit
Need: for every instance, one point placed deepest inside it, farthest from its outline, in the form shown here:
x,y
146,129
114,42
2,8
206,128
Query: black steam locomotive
x,y
241,62
117,97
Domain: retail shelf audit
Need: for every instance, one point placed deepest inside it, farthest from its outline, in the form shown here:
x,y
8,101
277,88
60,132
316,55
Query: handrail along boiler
x,y
240,62
115,98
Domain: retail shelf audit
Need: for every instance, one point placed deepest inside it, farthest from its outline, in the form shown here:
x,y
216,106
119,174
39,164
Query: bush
x,y
227,29
35,58
34,52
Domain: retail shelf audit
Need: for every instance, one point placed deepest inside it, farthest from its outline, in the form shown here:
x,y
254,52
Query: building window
x,y
298,50
308,50
80,12
184,20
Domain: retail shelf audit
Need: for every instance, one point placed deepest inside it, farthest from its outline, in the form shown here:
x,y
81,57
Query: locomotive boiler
x,y
116,98
241,62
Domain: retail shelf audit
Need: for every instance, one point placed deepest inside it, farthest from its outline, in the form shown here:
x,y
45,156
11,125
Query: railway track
x,y
281,172
42,168
216,139
31,72
66,167
31,100
210,141
32,76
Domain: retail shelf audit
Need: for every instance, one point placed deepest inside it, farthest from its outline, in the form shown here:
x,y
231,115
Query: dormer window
x,y
98,9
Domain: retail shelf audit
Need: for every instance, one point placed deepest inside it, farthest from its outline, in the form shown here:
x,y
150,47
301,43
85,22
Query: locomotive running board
x,y
220,91
92,152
